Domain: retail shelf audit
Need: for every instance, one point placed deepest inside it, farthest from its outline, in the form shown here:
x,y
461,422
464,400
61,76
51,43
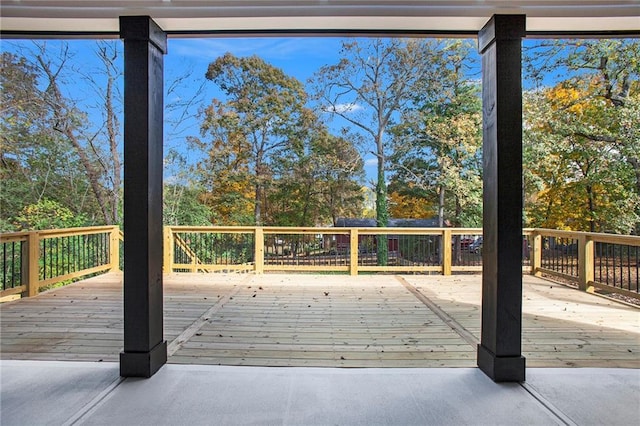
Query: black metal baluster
x,y
613,268
4,266
62,267
599,254
621,251
637,270
85,252
99,249
564,259
57,253
13,264
50,251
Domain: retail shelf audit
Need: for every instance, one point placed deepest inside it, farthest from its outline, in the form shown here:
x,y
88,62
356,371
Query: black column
x,y
499,351
145,349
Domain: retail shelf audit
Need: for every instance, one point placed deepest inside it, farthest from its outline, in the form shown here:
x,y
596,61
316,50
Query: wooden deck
x,y
322,320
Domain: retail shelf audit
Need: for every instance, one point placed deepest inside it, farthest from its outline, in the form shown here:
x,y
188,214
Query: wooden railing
x,y
352,250
32,260
590,260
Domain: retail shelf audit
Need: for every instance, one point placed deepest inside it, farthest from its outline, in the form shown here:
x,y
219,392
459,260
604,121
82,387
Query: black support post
x,y
499,351
145,349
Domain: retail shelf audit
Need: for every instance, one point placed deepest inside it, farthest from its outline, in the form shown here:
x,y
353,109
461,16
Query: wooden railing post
x,y
446,252
258,251
31,264
167,262
536,253
585,263
114,249
353,251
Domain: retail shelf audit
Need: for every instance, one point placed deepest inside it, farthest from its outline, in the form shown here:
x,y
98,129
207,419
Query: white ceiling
x,y
306,15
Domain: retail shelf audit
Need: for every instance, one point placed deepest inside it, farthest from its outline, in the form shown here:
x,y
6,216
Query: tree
x,y
36,163
317,183
262,118
182,196
575,180
341,169
373,81
438,145
97,149
408,202
47,214
109,107
62,127
581,137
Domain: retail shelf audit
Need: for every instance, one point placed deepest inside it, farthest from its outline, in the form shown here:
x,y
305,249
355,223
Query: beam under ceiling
x,y
193,17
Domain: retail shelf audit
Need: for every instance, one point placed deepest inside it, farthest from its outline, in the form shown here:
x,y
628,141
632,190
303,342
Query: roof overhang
x,y
185,17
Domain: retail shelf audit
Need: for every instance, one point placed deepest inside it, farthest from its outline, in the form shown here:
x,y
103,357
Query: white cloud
x,y
343,108
370,162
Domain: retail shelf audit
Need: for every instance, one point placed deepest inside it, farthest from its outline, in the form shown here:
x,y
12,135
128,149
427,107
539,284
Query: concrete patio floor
x,y
84,393
59,352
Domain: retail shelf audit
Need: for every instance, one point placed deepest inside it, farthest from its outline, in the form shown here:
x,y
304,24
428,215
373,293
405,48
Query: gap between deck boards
x,y
468,337
191,331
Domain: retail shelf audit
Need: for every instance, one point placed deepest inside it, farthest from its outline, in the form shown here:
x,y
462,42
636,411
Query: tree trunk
x,y
112,132
592,222
441,193
382,215
63,123
458,246
635,163
257,208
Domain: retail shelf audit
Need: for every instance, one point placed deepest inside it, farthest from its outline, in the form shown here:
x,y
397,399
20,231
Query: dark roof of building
x,y
344,222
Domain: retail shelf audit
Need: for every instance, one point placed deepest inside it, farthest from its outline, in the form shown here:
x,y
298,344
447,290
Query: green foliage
x,y
317,184
47,214
182,198
437,156
35,161
262,118
269,161
47,150
183,207
581,144
372,83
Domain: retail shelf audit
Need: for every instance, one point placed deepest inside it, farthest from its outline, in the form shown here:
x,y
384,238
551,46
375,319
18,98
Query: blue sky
x,y
298,57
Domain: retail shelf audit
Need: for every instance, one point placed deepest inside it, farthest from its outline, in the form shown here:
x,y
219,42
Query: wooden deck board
x,y
562,327
321,321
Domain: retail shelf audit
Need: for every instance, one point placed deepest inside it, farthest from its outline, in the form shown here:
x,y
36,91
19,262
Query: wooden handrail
x,y
586,258
629,240
32,260
348,260
353,235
